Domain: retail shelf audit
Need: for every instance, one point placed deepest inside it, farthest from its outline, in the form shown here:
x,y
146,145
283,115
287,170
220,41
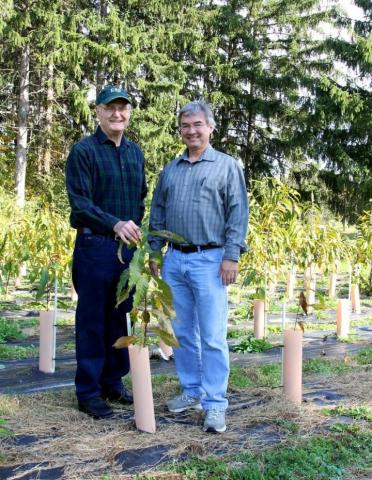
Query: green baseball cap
x,y
110,93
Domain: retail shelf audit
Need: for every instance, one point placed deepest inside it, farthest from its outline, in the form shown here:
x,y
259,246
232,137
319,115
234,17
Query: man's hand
x,y
128,231
154,267
228,271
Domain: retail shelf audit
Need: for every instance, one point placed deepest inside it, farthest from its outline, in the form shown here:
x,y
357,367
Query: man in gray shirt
x,y
201,196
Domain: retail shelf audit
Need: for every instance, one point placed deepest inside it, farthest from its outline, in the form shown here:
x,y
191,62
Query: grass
x,y
250,377
364,357
320,458
324,366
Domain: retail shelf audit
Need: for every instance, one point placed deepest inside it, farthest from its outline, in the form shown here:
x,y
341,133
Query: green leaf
x,y
42,283
122,290
156,257
167,235
141,290
165,293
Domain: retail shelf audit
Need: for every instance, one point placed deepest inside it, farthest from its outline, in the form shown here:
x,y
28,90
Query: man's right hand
x,y
128,231
154,267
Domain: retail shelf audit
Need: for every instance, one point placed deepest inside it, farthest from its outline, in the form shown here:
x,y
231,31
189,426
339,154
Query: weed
x,y
66,347
250,344
351,338
9,352
4,431
9,329
358,413
238,333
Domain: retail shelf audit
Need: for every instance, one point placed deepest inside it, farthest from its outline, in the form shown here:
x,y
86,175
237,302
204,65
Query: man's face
x,y
195,131
114,116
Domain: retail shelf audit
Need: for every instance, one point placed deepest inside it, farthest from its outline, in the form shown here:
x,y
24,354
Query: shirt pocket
x,y
208,190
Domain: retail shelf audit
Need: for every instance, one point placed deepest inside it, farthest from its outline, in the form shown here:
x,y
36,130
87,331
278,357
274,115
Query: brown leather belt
x,y
87,230
191,248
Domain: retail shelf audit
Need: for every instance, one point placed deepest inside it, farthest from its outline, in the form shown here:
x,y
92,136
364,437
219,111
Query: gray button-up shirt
x,y
205,202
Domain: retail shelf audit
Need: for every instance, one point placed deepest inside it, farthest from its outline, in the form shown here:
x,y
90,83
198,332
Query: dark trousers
x,y
95,273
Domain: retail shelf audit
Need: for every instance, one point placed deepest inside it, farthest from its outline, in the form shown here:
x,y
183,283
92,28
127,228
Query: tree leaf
x,y
120,250
146,316
44,278
124,342
301,324
168,338
167,235
122,290
141,288
165,292
302,302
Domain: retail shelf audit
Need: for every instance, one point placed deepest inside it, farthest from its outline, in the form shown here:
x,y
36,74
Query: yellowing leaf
x,y
301,324
124,342
302,302
146,316
168,338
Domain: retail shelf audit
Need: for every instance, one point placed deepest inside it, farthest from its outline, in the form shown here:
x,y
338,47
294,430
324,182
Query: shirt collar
x,y
207,155
102,137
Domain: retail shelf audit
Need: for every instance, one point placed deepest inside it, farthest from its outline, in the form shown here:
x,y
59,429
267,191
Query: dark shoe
x,y
95,407
124,397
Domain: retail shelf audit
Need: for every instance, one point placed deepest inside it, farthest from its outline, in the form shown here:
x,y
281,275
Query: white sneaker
x,y
214,421
183,402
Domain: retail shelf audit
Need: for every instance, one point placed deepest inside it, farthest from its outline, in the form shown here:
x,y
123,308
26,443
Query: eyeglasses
x,y
195,126
109,109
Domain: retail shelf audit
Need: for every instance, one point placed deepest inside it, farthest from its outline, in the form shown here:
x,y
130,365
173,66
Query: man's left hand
x,y
228,271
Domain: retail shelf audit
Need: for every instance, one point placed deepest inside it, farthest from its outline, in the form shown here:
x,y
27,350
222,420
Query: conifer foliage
x,y
289,82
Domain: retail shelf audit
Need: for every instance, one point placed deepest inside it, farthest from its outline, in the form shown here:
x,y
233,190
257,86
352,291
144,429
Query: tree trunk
x,y
47,154
102,10
23,110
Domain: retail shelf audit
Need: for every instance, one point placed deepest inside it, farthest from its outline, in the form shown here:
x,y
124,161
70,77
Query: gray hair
x,y
196,107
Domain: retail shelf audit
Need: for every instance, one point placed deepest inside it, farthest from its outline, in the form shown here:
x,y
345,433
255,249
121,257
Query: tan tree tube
x,y
47,342
310,286
355,299
292,365
332,285
166,350
73,294
144,413
343,317
259,318
291,282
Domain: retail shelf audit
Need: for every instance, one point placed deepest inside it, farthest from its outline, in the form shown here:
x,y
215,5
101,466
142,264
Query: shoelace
x,y
214,414
186,398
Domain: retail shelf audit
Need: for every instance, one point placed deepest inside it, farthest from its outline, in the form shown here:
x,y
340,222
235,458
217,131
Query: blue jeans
x,y
95,273
200,302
